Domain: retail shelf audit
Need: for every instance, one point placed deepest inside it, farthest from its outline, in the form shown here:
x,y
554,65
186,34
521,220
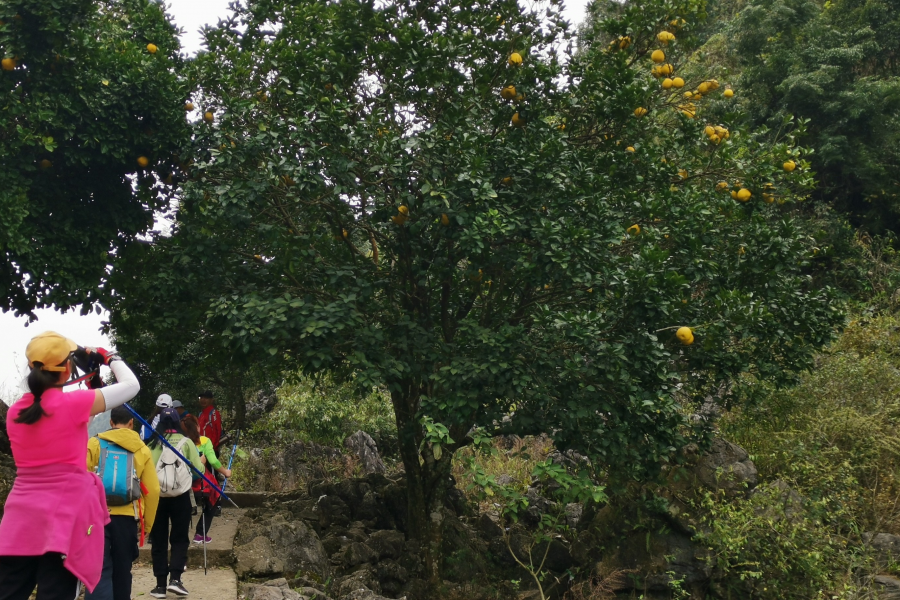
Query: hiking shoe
x,y
176,586
158,592
198,539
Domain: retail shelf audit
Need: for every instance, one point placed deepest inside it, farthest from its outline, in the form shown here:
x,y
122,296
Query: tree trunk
x,y
426,482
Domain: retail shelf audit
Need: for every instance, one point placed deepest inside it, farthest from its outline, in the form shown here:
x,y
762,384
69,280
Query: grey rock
x,y
332,510
280,582
387,543
362,579
888,587
505,480
574,511
362,444
273,544
253,591
780,501
358,554
489,526
886,547
727,467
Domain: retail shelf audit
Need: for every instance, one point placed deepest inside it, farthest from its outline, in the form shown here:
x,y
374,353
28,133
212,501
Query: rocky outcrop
x,y
664,550
276,544
885,547
363,446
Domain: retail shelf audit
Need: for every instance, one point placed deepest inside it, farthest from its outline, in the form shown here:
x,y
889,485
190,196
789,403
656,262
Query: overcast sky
x,y
191,16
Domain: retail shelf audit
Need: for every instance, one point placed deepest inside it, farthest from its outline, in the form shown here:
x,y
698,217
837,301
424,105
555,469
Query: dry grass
x,y
511,456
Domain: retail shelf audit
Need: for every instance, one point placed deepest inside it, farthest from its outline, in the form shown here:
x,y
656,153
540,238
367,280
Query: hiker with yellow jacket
x,y
128,521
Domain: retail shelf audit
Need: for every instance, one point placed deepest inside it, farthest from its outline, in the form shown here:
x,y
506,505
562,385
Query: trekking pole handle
x,y
178,454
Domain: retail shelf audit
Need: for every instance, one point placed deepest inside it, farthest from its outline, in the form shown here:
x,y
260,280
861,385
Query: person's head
x,y
179,407
49,360
191,428
169,422
206,399
120,418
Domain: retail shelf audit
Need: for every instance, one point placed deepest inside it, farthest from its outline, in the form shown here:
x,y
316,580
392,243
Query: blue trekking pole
x,y
237,437
178,454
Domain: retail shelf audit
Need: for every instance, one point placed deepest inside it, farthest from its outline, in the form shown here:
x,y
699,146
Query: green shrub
x,y
325,412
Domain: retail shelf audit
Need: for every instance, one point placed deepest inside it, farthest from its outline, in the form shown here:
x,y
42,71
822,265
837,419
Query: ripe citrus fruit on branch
x,y
634,229
46,164
729,93
189,106
789,166
658,56
678,82
629,149
743,194
142,162
515,59
665,36
8,64
208,116
518,120
667,83
685,335
151,48
445,220
640,111
404,210
508,93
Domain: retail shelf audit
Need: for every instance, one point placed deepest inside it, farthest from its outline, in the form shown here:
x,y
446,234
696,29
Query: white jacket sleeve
x,y
125,388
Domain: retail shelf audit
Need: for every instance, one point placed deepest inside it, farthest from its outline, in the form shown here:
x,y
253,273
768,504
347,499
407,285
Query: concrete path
x,y
219,584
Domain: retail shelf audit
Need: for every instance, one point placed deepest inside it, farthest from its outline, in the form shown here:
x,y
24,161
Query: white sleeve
x,y
125,388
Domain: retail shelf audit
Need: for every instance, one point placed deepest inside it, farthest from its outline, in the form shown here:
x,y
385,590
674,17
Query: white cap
x,y
177,404
164,401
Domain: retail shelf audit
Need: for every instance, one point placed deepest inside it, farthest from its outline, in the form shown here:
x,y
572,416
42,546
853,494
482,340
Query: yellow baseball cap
x,y
50,349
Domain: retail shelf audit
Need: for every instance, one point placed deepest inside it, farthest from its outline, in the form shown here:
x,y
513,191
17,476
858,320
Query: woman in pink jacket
x,y
51,535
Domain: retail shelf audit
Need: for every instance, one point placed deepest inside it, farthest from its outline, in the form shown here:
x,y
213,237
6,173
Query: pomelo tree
x,y
91,122
506,229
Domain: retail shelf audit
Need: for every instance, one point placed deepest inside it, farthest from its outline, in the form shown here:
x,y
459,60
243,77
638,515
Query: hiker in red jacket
x,y
210,420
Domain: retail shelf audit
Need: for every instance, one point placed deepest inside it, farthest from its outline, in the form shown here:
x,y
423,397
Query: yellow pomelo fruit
x,y
685,335
515,59
508,93
640,111
634,229
142,161
789,166
151,48
445,220
657,56
743,194
404,210
667,83
678,82
629,149
729,93
518,121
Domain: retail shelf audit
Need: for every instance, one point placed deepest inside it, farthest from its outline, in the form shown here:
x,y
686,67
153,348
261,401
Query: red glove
x,y
106,354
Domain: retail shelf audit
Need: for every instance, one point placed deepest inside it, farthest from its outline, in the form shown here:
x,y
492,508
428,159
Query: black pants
x,y
177,511
119,552
209,511
20,574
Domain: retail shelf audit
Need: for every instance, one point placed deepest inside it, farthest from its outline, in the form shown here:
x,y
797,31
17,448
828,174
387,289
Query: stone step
x,y
246,499
218,552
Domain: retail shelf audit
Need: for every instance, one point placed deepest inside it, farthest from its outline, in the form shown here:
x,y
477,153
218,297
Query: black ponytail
x,y
39,381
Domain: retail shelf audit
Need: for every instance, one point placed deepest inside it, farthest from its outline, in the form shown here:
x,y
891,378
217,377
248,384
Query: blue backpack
x,y
116,469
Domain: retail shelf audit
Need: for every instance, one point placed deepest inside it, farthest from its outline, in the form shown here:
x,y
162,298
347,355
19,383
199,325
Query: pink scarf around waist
x,y
57,508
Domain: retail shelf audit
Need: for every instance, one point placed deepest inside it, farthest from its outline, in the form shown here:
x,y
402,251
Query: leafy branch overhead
x,y
466,208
